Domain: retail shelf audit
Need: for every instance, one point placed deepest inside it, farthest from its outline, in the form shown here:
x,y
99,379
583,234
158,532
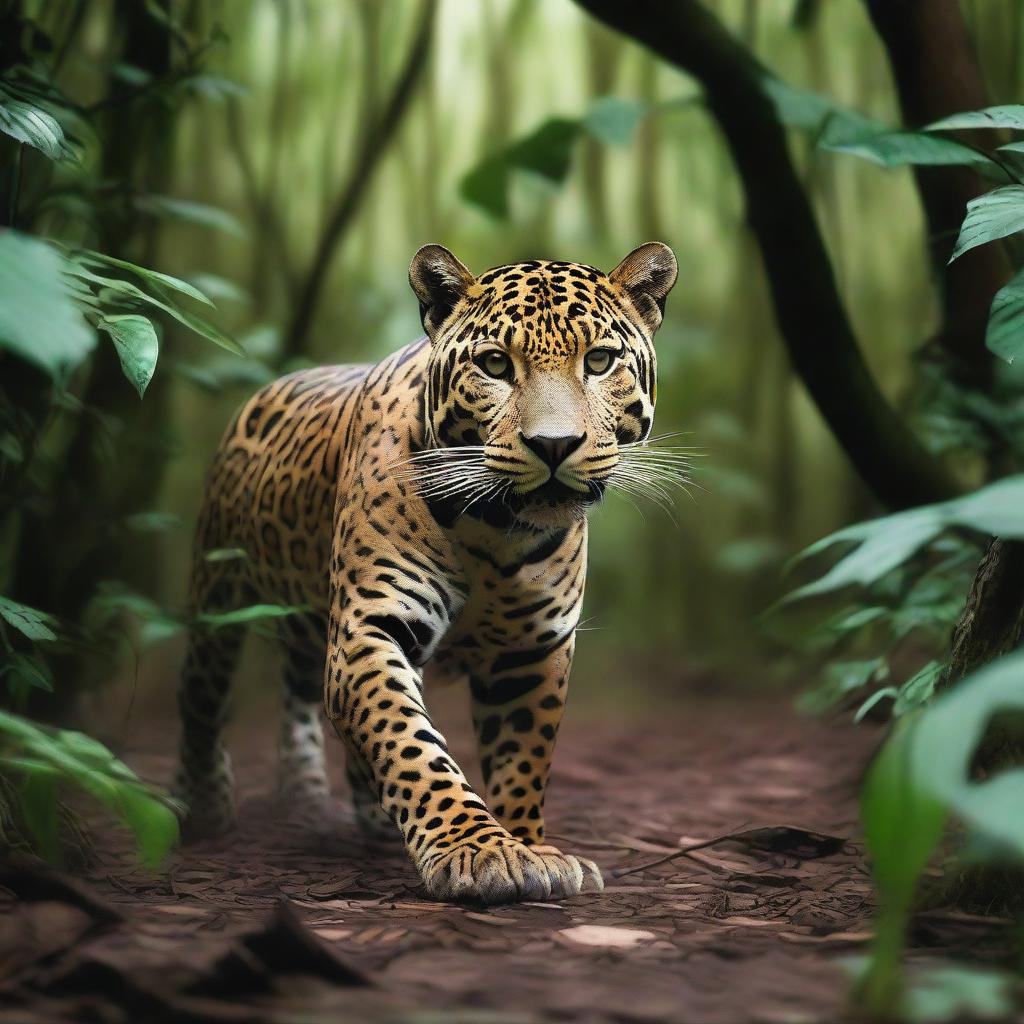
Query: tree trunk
x,y
992,622
936,73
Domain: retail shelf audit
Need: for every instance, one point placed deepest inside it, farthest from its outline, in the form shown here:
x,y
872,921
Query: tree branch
x,y
808,308
377,138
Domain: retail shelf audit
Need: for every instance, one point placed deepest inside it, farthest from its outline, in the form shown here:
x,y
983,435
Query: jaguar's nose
x,y
553,451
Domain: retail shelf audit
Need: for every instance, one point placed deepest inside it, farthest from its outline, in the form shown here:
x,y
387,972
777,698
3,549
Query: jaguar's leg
x,y
372,819
375,701
301,767
516,714
204,781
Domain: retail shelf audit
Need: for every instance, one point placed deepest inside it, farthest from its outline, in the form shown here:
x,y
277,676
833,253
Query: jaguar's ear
x,y
439,281
646,275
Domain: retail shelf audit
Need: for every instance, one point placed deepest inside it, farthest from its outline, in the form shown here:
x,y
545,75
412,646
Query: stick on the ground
x,y
691,848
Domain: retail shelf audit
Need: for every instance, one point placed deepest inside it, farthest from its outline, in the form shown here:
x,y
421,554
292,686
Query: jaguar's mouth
x,y
555,492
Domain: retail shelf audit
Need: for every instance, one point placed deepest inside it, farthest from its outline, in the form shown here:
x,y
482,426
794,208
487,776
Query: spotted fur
x,y
430,511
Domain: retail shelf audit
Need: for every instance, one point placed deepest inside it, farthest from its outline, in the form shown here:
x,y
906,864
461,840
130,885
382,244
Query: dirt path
x,y
279,925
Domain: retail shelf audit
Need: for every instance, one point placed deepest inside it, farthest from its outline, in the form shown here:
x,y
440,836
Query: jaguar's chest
x,y
518,597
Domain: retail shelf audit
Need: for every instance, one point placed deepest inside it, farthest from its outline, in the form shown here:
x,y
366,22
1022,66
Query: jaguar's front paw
x,y
503,870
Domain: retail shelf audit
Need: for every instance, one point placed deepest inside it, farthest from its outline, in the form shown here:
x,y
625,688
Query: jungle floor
x,y
277,924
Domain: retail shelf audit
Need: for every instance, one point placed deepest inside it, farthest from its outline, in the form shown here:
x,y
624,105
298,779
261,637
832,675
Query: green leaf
x,y
225,554
24,670
886,543
949,732
29,621
546,151
137,347
22,117
919,689
37,801
897,149
1005,333
153,822
1009,115
214,87
886,693
11,448
252,613
39,318
954,992
613,121
994,215
192,212
802,108
486,186
841,679
903,820
127,292
152,522
174,283
886,548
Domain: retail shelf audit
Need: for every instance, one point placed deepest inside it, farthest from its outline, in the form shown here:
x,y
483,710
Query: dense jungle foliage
x,y
197,196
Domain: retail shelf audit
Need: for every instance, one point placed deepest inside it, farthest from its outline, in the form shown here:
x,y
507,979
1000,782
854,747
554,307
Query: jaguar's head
x,y
541,375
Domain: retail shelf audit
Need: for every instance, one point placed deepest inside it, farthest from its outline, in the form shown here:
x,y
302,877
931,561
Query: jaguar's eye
x,y
599,360
495,364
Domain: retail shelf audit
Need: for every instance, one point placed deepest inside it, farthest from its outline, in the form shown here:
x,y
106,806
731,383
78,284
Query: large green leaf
x,y
897,149
903,823
26,120
994,215
137,347
1009,115
39,318
1005,333
903,819
882,545
889,544
29,621
948,734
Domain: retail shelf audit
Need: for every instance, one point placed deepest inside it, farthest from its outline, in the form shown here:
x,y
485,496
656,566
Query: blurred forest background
x,y
288,157
843,185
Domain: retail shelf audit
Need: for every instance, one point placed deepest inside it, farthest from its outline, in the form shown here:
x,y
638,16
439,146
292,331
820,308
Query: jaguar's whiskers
x,y
443,474
655,471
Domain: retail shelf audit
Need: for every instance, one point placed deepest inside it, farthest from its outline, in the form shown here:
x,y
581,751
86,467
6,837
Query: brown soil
x,y
278,924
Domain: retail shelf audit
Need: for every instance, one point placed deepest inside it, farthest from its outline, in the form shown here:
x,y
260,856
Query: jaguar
x,y
427,515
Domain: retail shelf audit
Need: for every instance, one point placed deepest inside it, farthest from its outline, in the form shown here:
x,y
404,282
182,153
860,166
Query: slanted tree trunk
x,y
810,313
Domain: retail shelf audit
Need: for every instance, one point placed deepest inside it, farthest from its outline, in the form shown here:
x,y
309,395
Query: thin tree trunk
x,y
347,204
